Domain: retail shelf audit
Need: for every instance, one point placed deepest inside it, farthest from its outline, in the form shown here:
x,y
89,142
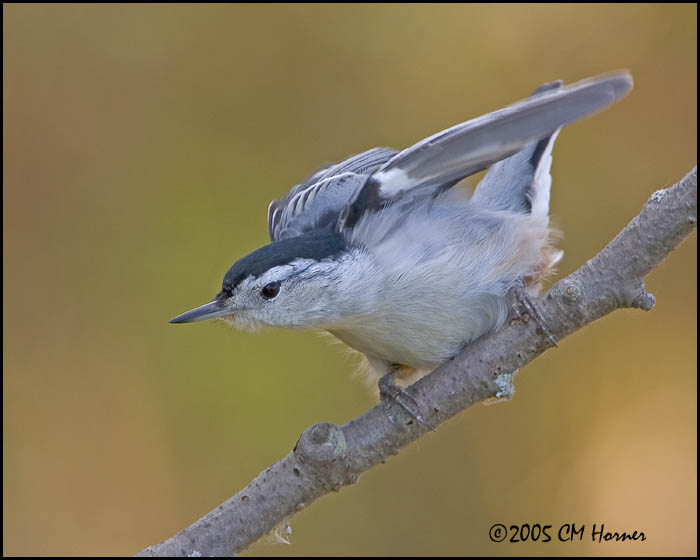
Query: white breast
x,y
442,272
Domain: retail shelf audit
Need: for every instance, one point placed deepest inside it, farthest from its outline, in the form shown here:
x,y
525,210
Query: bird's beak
x,y
209,310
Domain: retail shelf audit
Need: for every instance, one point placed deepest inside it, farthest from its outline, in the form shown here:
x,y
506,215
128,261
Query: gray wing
x,y
441,160
317,201
521,183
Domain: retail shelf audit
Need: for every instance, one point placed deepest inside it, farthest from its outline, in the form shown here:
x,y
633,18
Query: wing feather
x,y
443,159
521,183
317,201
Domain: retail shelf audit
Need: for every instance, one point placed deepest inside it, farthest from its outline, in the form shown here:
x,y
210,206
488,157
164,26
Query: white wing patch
x,y
391,182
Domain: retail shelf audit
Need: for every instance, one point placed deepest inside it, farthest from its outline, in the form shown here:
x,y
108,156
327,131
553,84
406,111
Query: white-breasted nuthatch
x,y
382,253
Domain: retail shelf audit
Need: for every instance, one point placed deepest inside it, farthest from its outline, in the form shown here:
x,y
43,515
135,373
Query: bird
x,y
383,253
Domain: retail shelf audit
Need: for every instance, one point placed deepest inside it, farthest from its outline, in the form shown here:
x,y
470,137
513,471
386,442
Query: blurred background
x,y
142,145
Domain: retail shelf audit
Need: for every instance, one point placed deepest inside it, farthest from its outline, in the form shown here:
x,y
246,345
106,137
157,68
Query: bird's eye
x,y
270,290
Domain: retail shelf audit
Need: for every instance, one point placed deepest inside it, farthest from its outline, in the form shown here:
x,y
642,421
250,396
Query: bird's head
x,y
293,283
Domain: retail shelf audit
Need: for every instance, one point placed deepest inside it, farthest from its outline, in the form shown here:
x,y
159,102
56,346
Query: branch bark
x,y
327,456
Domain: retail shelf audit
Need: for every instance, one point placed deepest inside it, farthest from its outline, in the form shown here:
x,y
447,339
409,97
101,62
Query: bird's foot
x,y
389,391
530,310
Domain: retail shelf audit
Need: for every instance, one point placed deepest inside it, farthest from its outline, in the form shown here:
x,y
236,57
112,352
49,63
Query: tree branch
x,y
327,457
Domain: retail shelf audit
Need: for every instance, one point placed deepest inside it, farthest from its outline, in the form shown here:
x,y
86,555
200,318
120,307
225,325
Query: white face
x,y
305,294
300,294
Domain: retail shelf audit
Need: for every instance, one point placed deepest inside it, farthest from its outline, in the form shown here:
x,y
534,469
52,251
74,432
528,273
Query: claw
x,y
389,391
523,297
